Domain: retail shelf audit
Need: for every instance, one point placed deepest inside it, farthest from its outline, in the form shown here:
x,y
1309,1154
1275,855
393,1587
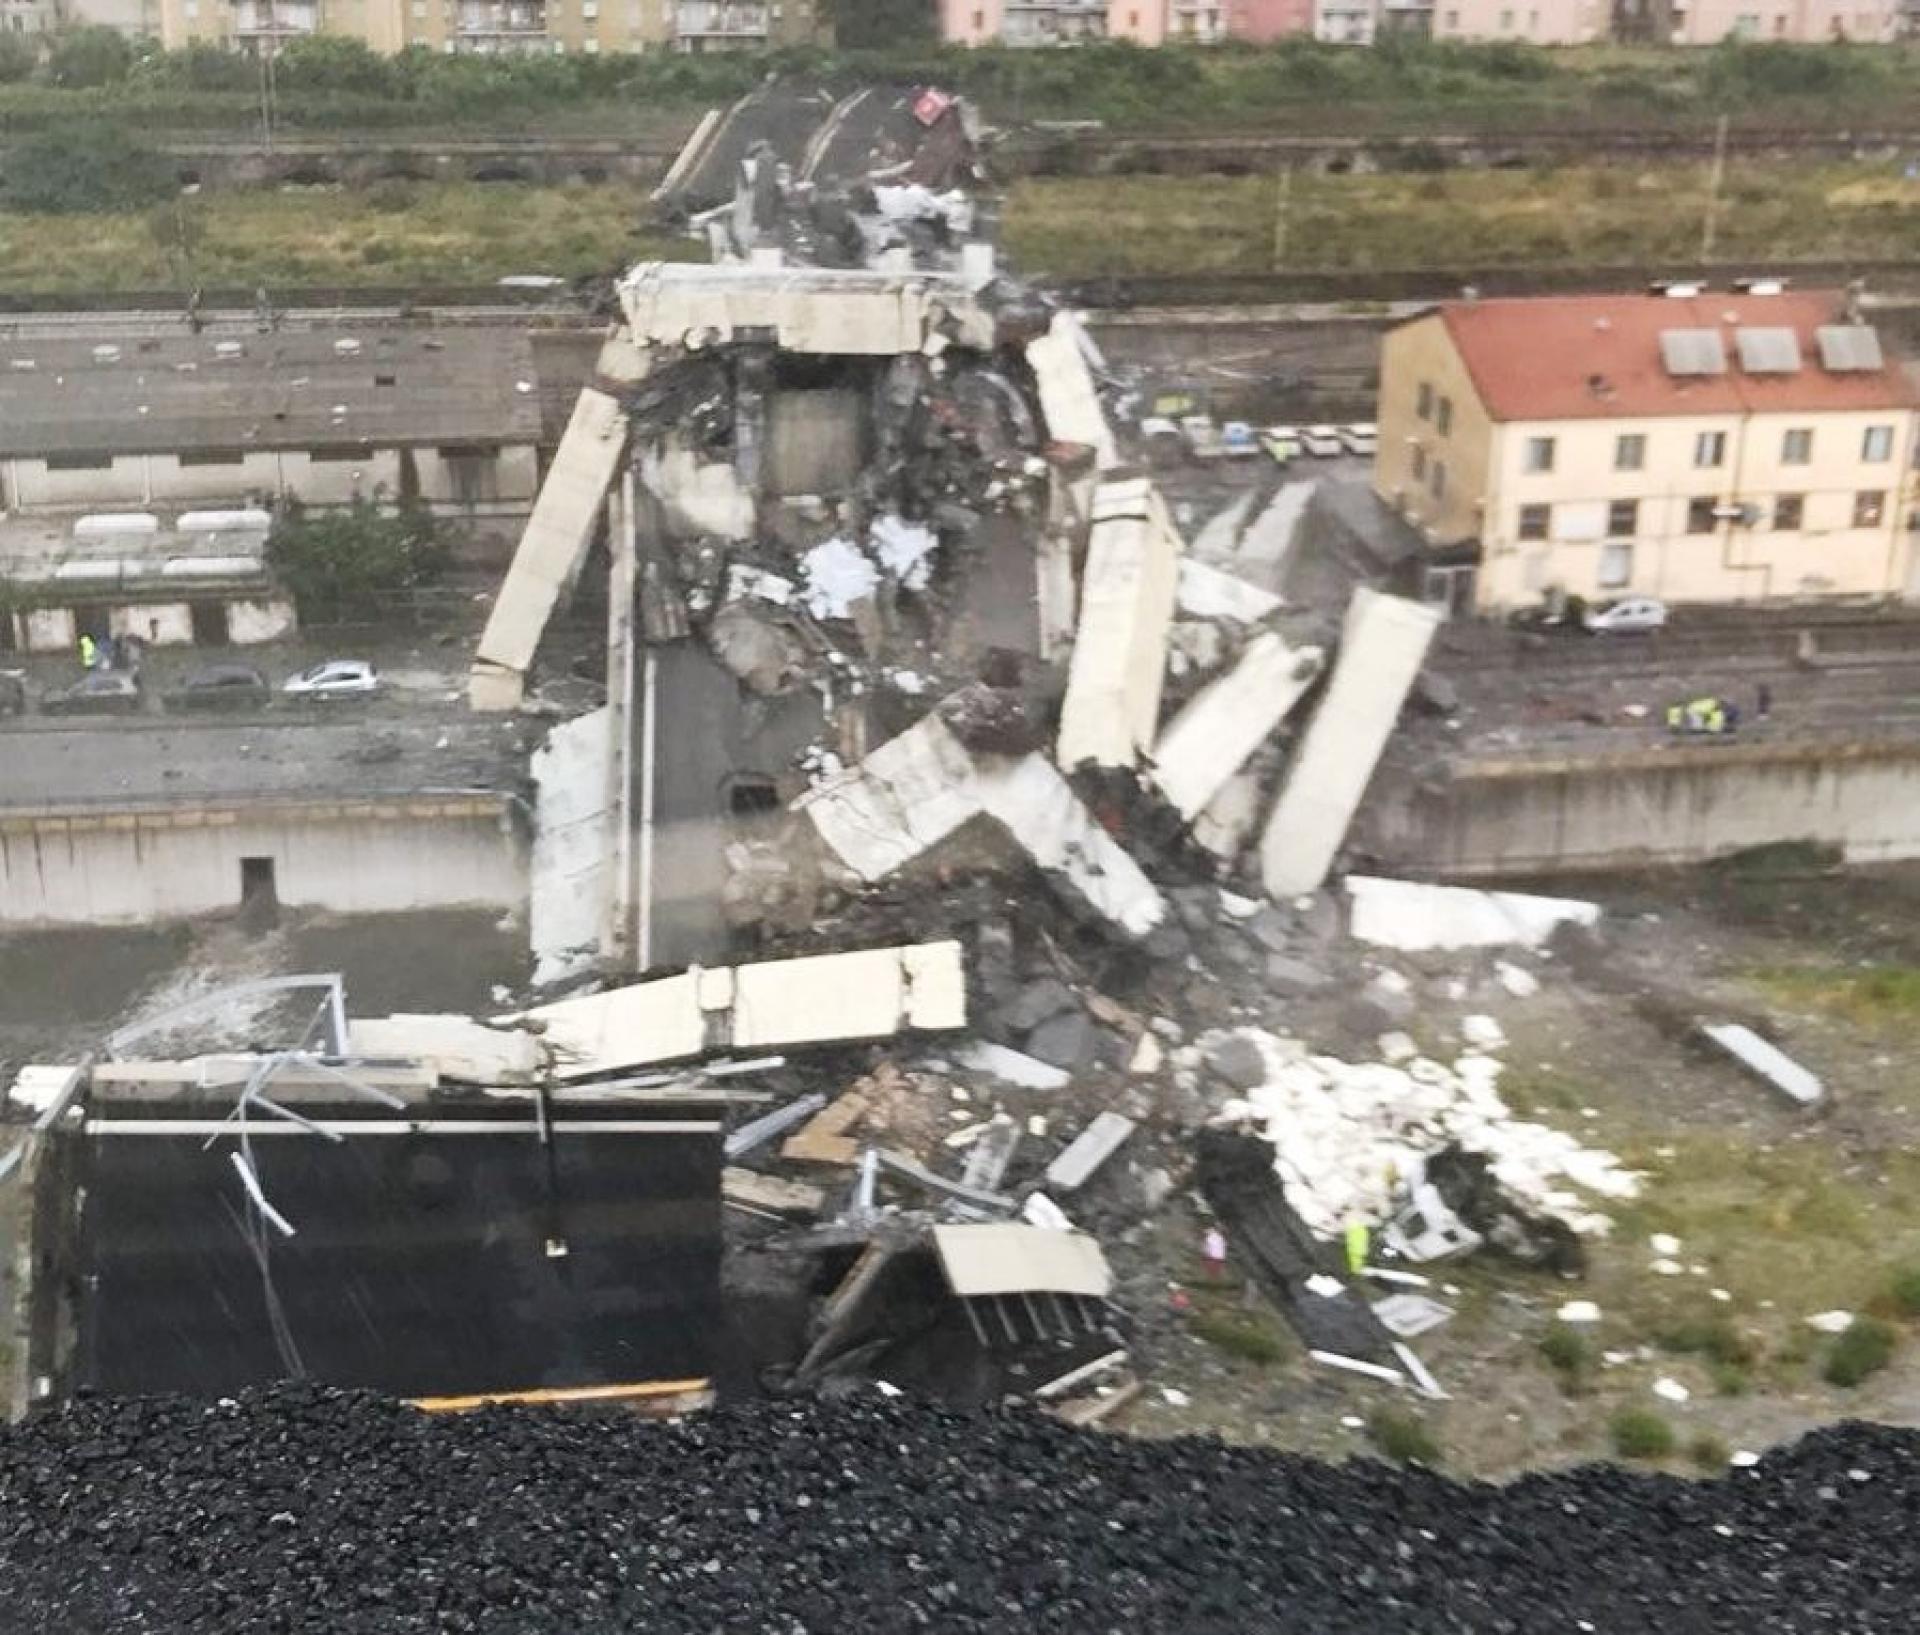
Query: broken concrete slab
x,y
751,1136
1077,1163
572,847
1228,719
1065,1041
1010,1066
1068,398
916,789
1413,916
1286,975
870,993
1410,1315
1766,1062
1033,1004
1235,1059
455,1048
771,1194
1384,641
823,1139
1011,1258
1207,592
1111,711
992,1155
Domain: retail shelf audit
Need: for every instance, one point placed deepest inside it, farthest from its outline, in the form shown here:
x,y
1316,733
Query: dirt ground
x,y
1781,1213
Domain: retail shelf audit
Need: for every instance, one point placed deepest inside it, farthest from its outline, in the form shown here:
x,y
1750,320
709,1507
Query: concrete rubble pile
x,y
886,585
302,1509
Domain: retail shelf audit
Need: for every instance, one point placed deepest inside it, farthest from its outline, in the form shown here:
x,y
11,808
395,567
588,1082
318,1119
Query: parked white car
x,y
1323,442
1362,437
1629,616
334,678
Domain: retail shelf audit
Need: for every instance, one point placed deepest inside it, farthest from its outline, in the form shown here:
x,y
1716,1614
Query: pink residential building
x,y
1805,22
1538,22
1264,20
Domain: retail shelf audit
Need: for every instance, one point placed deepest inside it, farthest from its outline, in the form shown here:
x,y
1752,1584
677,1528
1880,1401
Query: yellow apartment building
x,y
1706,447
493,26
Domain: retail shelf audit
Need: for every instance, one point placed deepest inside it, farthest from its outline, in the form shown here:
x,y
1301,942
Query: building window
x,y
339,456
1876,444
1623,517
591,47
1616,566
1536,521
1796,447
1437,479
1539,454
979,22
214,457
1443,415
1506,22
79,462
1869,506
1700,515
1710,448
1423,401
419,11
590,9
1629,451
1419,463
1789,510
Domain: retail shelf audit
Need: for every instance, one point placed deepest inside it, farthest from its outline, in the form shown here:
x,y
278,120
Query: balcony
x,y
744,21
512,20
275,19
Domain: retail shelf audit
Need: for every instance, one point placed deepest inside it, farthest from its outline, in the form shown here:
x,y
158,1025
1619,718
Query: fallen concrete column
x,y
572,847
1383,643
1766,1062
916,789
1068,398
1228,719
1111,711
557,535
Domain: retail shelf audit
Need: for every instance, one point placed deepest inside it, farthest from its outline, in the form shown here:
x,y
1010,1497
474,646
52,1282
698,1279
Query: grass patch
x,y
1708,1453
1571,1355
1640,1433
1240,1334
1708,1335
1863,1350
1903,1291
1730,1379
447,233
1402,1437
1865,995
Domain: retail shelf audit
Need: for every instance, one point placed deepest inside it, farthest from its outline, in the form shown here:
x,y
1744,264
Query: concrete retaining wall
x,y
362,857
1681,805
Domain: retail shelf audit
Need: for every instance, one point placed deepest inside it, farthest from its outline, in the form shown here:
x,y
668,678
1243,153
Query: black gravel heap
x,y
306,1509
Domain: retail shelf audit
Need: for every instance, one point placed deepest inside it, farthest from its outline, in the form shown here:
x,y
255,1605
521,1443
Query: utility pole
x,y
1716,178
1282,206
265,51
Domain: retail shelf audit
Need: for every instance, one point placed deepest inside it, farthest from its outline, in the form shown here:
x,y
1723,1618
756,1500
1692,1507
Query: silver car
x,y
334,678
1629,616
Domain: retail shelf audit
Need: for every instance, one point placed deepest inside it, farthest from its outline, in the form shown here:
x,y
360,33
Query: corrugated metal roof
x,y
1850,348
1767,351
1008,1258
1598,357
294,389
1692,352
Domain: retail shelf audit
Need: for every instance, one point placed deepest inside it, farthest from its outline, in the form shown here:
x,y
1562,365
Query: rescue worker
x,y
88,652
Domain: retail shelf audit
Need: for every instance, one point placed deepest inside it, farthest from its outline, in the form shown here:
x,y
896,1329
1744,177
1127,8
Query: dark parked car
x,y
221,687
98,692
13,693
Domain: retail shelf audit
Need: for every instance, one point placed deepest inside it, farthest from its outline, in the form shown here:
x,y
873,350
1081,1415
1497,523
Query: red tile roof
x,y
1598,357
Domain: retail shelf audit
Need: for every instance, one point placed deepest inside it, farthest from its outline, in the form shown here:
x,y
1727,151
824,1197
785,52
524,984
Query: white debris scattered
x,y
1664,1243
1210,593
1670,1390
1518,981
1743,1459
1414,917
838,574
887,1388
1831,1322
1396,1048
1352,1422
1666,1268
1324,1286
1719,1294
1579,1311
1012,1066
1236,907
1350,1138
910,682
744,579
1410,1315
1174,1397
905,549
1482,1032
1767,1062
1149,1056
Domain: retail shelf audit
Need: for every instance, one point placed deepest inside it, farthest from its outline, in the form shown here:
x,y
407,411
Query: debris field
x,y
299,1508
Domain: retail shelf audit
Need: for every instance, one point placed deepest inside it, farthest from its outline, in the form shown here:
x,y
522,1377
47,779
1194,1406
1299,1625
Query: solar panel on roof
x,y
1768,351
1849,348
1693,352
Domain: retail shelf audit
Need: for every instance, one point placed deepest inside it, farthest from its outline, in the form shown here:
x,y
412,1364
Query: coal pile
x,y
306,1509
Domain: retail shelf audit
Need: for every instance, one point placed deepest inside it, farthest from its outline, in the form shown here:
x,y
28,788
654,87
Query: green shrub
x,y
1865,1348
1708,1453
85,57
71,170
1238,1336
347,563
18,58
1903,1291
1729,1379
1640,1433
1712,1336
1570,1354
1402,1437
